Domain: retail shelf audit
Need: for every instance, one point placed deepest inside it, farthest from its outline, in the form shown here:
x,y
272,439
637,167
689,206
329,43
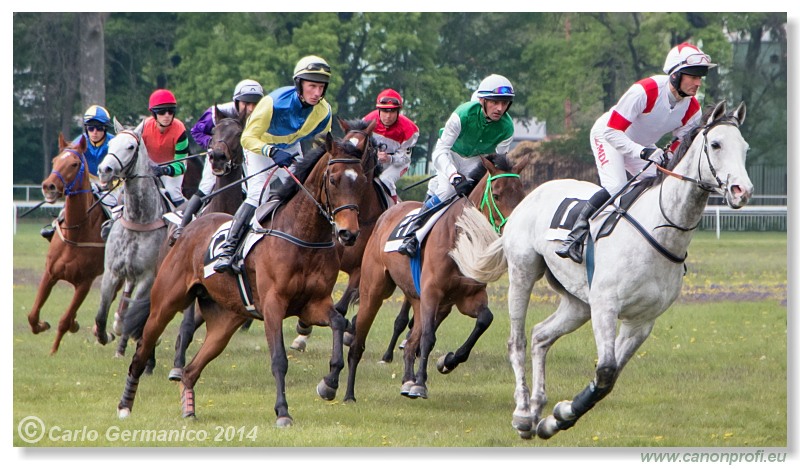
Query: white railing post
x,y
717,222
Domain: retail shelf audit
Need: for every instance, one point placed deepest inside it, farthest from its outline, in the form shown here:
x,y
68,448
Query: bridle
x,y
703,185
77,180
488,201
227,151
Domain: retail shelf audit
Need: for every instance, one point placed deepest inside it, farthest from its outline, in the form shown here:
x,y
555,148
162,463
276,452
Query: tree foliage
x,y
567,68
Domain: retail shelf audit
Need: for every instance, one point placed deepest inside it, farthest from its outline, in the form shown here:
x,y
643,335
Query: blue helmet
x,y
96,113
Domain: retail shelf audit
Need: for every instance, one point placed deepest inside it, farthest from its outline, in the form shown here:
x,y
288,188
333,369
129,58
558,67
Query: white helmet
x,y
496,87
689,59
312,68
249,91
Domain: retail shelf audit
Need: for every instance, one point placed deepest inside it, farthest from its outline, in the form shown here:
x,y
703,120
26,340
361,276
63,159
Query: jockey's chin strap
x,y
708,187
488,202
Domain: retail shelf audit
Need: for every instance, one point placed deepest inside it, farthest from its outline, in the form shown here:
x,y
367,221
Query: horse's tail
x,y
136,317
478,251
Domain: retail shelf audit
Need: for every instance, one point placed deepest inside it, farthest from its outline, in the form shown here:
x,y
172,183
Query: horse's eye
x,y
495,197
715,145
332,181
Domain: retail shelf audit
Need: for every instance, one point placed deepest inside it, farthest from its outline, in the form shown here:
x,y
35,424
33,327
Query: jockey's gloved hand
x,y
656,155
460,183
166,170
280,157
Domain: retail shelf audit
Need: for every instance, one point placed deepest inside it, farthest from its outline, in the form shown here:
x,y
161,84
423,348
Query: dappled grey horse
x,y
638,269
133,243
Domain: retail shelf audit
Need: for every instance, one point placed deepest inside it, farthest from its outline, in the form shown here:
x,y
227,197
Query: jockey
x,y
624,138
166,139
280,122
246,95
475,128
396,135
96,121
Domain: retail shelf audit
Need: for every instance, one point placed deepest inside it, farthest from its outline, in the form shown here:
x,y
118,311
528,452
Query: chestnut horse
x,y
442,286
291,271
76,252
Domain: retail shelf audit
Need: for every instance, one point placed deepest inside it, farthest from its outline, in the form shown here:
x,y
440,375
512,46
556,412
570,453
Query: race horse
x,y
375,201
633,275
441,285
226,157
133,243
75,254
291,271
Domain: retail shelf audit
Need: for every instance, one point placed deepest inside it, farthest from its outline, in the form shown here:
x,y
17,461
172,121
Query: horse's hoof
x,y
522,423
40,327
189,415
402,344
123,413
563,411
117,326
547,428
299,344
406,388
440,363
175,374
418,391
326,392
284,422
348,339
75,327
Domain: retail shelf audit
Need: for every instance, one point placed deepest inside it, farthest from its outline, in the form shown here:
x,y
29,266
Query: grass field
x,y
712,374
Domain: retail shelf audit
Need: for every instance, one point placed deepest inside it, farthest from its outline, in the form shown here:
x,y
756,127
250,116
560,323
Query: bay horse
x,y
371,206
226,157
291,272
441,285
75,254
133,243
638,268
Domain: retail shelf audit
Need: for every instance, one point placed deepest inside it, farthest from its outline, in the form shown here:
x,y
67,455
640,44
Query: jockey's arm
x,y
442,162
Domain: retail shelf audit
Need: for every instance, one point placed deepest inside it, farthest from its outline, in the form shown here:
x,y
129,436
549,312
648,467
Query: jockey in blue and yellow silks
x,y
274,131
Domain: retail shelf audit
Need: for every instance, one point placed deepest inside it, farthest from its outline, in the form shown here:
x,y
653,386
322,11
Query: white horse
x,y
633,282
133,243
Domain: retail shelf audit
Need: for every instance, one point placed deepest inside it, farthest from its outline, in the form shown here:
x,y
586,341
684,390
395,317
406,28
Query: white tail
x,y
478,251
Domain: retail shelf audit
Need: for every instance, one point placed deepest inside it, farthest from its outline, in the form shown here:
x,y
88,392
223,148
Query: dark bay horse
x,y
291,272
442,286
226,156
371,206
76,251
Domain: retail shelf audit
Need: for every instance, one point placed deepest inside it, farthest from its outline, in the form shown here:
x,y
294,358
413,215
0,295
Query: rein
x,y
68,192
488,202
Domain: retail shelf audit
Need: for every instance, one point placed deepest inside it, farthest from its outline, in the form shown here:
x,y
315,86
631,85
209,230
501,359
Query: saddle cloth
x,y
401,230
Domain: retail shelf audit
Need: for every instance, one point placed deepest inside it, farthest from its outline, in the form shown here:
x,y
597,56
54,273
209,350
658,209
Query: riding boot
x,y
48,230
238,230
410,244
192,207
573,245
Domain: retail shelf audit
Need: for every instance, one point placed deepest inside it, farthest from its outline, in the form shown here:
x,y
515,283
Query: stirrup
x,y
175,235
47,232
409,247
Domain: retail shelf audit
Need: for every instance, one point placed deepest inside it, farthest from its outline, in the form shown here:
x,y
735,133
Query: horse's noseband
x,y
78,180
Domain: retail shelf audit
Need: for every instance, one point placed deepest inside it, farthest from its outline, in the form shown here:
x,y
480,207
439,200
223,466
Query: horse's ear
x,y
82,144
329,142
488,164
217,114
343,124
117,126
371,126
521,164
718,112
740,113
62,144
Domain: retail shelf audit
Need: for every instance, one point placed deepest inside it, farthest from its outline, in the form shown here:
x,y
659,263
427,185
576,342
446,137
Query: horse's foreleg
x,y
108,291
45,287
121,308
400,324
280,364
67,321
427,340
301,341
450,361
189,325
367,310
327,387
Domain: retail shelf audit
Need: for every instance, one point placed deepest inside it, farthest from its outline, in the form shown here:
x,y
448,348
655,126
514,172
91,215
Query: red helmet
x,y
389,99
161,99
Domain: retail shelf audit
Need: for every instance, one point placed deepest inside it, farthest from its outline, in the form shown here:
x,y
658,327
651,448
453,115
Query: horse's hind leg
x,y
220,327
45,287
108,291
116,326
450,361
67,321
400,324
